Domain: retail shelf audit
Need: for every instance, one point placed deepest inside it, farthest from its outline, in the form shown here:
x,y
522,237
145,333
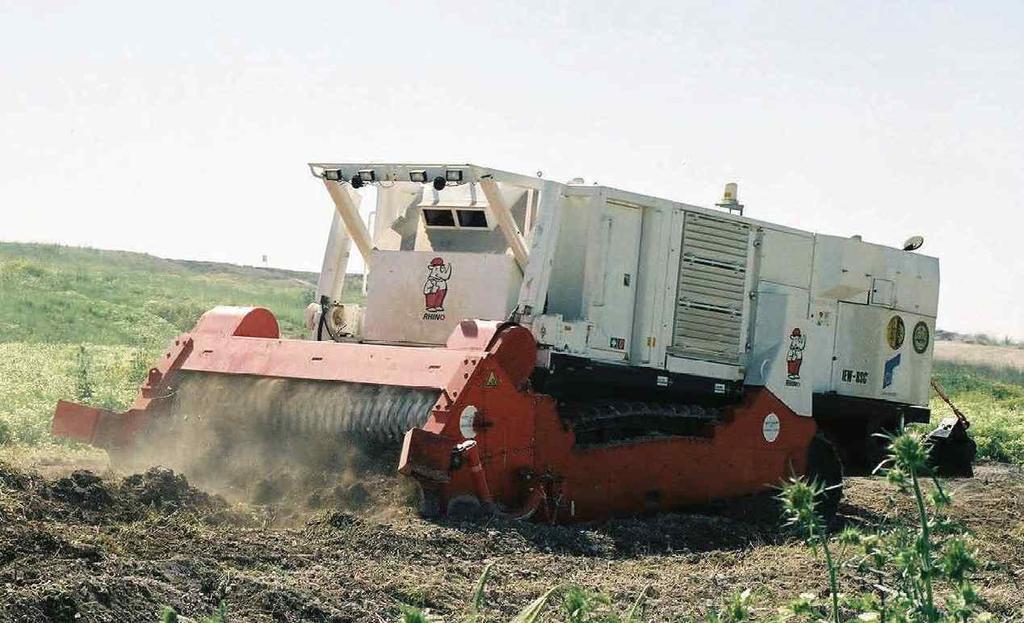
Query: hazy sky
x,y
182,129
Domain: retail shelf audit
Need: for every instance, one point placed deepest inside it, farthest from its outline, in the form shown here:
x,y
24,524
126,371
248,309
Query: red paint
x,y
524,457
76,421
525,446
476,469
239,321
435,300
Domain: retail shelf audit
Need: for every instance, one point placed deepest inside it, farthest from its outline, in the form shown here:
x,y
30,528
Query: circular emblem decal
x,y
895,332
770,427
920,337
466,420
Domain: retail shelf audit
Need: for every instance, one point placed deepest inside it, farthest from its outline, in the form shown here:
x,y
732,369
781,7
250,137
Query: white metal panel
x,y
857,288
613,249
565,294
845,270
883,292
393,203
419,296
669,283
875,356
783,356
712,286
651,292
562,335
786,257
822,322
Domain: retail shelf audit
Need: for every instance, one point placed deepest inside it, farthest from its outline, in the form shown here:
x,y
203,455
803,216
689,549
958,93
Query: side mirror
x,y
913,243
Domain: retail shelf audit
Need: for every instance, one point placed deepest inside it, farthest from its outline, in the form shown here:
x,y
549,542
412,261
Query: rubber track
x,y
612,421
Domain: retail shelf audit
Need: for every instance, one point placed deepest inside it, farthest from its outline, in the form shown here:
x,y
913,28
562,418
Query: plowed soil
x,y
82,547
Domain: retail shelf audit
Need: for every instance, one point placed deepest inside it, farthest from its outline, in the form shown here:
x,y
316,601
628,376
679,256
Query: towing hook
x,y
467,452
952,450
464,447
459,453
957,412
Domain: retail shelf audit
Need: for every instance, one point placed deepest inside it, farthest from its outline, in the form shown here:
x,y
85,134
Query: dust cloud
x,y
296,445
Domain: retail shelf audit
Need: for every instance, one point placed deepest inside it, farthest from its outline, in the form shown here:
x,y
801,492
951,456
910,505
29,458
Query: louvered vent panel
x,y
712,288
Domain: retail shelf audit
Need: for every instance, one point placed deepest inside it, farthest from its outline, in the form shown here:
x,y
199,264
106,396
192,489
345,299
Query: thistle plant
x,y
919,562
799,500
906,562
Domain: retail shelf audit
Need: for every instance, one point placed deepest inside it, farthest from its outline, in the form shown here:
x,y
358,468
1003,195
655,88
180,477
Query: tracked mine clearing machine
x,y
565,352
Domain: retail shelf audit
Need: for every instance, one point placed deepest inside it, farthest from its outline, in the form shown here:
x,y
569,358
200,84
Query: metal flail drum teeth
x,y
380,412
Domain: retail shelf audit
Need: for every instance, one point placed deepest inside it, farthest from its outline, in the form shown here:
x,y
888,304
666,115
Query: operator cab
x,y
437,257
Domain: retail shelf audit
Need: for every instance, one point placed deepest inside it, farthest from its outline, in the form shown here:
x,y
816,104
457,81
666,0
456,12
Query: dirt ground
x,y
81,547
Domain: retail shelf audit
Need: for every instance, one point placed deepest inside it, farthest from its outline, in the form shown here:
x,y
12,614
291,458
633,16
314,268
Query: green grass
x,y
35,376
123,308
52,293
993,400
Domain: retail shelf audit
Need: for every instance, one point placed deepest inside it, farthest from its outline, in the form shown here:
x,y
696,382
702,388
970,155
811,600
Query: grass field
x,y
987,383
55,294
993,399
86,324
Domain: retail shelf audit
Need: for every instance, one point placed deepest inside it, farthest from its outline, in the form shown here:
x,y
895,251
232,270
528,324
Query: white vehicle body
x,y
623,279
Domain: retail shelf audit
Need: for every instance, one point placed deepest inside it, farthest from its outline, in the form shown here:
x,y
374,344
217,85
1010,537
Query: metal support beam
x,y
332,272
543,239
349,212
506,222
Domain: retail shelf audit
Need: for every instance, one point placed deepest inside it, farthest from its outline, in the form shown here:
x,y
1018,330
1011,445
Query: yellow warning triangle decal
x,y
492,380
